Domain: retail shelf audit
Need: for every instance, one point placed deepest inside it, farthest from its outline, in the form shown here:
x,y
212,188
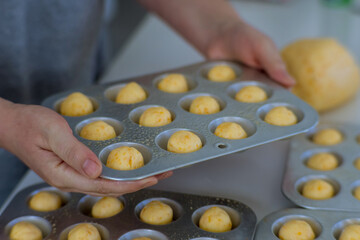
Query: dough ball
x,y
215,219
204,105
351,232
326,74
251,94
98,131
357,193
281,116
84,231
155,117
329,136
173,83
125,158
25,231
75,105
221,73
142,238
184,142
156,213
45,201
131,93
230,130
296,230
318,189
106,207
357,163
323,162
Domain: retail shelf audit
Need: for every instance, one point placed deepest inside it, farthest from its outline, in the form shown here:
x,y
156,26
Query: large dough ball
x,y
351,232
280,116
296,230
221,73
251,94
357,193
125,158
107,207
323,161
75,105
155,117
131,93
156,213
357,163
230,130
184,142
215,219
84,231
45,201
25,231
318,189
326,74
173,83
328,136
98,131
204,105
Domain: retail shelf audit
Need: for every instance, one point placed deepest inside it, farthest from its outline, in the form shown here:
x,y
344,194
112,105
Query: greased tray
x,y
151,142
344,178
127,224
327,225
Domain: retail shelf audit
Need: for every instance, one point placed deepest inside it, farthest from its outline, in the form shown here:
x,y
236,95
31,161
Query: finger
x,y
164,175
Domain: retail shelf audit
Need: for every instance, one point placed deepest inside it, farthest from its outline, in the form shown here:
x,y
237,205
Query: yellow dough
x,y
84,231
98,131
45,201
357,163
357,193
221,73
142,238
329,136
75,105
184,142
251,94
131,93
156,213
204,105
230,130
351,232
173,83
216,220
155,117
281,116
296,230
318,189
125,158
323,162
25,231
106,207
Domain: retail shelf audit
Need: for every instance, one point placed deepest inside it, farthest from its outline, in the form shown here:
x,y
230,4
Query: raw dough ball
x,y
326,74
98,131
216,220
155,117
323,161
173,83
45,201
296,230
251,94
125,158
131,93
84,231
281,116
75,105
25,231
204,105
329,136
184,142
156,213
221,73
318,189
357,164
142,238
106,207
230,130
351,232
357,193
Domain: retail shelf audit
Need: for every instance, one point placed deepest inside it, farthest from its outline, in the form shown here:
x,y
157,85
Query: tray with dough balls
x,y
323,170
147,125
44,212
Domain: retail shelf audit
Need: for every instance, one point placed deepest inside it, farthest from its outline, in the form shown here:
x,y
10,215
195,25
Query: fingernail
x,y
90,168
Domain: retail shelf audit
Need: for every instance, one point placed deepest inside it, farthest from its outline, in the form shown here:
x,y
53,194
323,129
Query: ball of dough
x,y
155,117
329,136
184,142
131,93
25,231
98,131
106,207
251,94
296,230
280,116
204,105
357,163
75,105
173,83
323,161
326,74
230,130
156,213
221,73
84,231
125,158
356,193
215,219
45,201
350,232
142,238
318,189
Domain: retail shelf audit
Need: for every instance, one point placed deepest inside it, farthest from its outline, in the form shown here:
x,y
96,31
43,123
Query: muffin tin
x,y
152,141
126,225
344,178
